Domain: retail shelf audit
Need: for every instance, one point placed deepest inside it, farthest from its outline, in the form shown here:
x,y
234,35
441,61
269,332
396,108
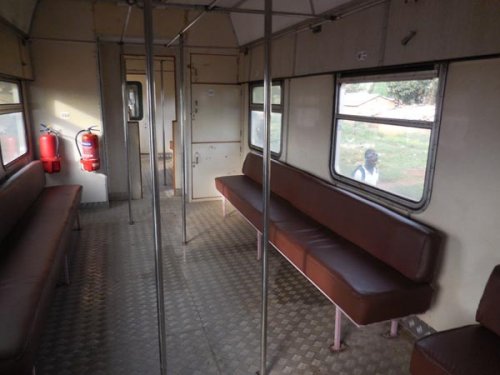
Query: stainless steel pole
x,y
162,335
266,179
123,72
163,123
182,109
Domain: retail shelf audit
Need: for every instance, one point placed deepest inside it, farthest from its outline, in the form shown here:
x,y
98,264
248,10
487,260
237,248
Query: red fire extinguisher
x,y
49,150
89,154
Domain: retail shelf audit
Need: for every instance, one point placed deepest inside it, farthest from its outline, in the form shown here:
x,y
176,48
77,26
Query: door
x,y
215,136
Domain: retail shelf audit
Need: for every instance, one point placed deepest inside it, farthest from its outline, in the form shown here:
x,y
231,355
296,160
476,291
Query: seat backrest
x,y
488,311
402,243
18,193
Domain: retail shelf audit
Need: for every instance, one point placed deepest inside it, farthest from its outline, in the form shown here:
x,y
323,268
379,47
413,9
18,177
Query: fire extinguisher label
x,y
86,144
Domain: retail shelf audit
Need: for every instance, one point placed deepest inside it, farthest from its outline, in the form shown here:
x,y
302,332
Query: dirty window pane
x,y
258,95
9,93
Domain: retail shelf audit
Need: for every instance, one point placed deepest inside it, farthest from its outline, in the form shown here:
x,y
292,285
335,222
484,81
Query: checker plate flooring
x,y
105,321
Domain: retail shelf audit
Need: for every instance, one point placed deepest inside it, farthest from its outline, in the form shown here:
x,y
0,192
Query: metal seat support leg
x,y
337,343
223,206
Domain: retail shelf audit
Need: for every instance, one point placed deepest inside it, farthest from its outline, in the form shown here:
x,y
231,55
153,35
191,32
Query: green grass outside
x,y
402,155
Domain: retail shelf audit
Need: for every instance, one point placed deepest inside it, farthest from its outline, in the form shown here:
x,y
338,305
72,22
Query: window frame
x,y
17,108
275,108
372,192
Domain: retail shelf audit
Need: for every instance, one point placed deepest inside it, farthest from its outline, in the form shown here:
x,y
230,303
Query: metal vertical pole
x,y
123,72
183,137
163,123
162,335
266,179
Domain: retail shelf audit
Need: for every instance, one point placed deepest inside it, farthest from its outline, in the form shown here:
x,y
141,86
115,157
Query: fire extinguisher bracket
x,y
89,152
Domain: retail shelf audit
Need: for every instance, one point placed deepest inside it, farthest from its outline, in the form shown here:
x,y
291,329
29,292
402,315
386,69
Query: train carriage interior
x,y
243,187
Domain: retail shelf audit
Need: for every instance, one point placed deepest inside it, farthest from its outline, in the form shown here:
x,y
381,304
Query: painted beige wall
x,y
66,96
465,203
310,123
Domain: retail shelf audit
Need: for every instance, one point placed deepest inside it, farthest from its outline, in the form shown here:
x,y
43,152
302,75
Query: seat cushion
x,y
488,312
29,268
469,350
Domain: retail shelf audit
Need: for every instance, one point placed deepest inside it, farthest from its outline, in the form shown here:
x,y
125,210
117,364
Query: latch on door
x,y
196,159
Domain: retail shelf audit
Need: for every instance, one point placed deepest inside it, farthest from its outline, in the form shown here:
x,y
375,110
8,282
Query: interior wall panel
x,y
464,203
244,66
113,119
349,43
69,102
310,124
471,29
214,68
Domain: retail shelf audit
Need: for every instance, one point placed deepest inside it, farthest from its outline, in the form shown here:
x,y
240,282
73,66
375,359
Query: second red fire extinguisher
x,y
89,153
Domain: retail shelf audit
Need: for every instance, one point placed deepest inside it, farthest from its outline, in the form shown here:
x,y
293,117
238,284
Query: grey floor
x,y
105,322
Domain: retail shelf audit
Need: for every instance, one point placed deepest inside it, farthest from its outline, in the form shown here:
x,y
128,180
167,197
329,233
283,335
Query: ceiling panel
x,y
18,12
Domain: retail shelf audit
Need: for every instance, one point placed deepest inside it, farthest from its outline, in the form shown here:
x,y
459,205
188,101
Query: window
x,y
385,132
13,140
256,128
134,98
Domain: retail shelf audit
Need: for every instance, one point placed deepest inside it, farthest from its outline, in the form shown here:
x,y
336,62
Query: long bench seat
x,y
35,230
373,263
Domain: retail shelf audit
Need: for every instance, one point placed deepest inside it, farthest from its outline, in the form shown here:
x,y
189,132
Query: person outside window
x,y
368,173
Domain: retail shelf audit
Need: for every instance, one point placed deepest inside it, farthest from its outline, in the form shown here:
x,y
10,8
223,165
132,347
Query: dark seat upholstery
x,y
469,350
373,263
31,257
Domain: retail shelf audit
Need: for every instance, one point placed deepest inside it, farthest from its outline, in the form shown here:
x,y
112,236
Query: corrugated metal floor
x,y
105,321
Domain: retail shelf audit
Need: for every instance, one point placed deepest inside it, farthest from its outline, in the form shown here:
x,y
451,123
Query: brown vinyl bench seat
x,y
468,350
372,263
36,224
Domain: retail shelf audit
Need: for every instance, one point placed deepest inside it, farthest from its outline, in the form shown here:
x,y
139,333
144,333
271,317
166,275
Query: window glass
x,y
256,138
399,156
134,100
12,136
384,128
258,95
408,99
9,93
257,130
